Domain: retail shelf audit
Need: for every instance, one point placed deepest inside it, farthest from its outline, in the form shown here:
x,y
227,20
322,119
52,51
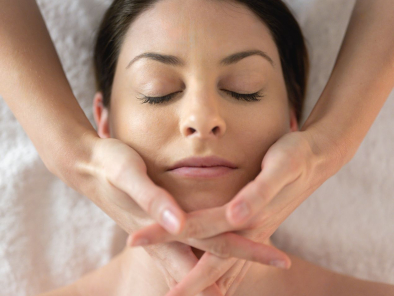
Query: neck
x,y
141,275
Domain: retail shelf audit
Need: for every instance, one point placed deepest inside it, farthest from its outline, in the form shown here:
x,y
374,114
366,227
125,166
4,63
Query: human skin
x,y
69,139
132,272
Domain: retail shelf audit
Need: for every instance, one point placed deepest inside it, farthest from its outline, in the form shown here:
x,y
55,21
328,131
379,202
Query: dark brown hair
x,y
274,13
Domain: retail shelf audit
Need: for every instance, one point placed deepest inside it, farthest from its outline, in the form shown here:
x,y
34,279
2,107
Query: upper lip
x,y
208,161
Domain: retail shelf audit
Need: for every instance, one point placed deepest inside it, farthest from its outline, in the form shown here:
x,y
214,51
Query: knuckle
x,y
266,217
213,273
293,163
220,248
171,282
262,190
117,172
257,255
152,202
193,229
226,283
265,223
184,250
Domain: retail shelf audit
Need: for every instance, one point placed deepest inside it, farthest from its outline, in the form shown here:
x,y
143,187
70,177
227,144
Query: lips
x,y
201,162
203,167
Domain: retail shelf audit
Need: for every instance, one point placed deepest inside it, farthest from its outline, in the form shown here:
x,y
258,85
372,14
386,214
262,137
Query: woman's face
x,y
202,118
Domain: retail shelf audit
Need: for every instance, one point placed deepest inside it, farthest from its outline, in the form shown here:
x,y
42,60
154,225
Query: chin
x,y
202,200
203,196
194,194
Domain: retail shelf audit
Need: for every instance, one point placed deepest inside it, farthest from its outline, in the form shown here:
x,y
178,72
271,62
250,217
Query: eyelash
x,y
240,97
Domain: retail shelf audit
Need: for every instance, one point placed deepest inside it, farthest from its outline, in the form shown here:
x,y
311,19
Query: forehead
x,y
203,29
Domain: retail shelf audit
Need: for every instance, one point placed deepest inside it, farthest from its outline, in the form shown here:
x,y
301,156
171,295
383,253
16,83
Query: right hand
x,y
119,185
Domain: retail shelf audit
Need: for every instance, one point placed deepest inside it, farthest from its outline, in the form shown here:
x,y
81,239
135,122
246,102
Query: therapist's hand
x,y
120,186
292,169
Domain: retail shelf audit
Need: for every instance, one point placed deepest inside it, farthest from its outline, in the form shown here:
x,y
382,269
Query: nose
x,y
201,117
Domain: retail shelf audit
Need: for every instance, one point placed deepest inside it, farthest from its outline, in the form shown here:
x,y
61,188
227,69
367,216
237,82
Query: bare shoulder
x,y
92,283
347,285
311,279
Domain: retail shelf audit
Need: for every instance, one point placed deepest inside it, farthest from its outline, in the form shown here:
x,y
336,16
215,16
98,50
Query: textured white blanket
x,y
50,235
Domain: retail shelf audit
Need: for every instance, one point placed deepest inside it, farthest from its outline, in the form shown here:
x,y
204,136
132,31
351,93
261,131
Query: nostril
x,y
191,130
215,130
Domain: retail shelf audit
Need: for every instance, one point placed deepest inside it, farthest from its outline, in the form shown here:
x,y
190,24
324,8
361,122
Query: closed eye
x,y
245,97
238,96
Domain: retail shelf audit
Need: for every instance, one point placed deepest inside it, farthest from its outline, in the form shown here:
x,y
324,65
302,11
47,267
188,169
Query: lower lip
x,y
202,172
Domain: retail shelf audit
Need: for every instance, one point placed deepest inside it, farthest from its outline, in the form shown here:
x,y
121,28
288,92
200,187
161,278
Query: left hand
x,y
292,169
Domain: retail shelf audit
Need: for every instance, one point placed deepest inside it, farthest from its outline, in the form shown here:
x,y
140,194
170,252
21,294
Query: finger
x,y
239,278
224,246
149,235
258,193
156,201
206,223
211,267
199,224
176,260
227,280
233,245
211,291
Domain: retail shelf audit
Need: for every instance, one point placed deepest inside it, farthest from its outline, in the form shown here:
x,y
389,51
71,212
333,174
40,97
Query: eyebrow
x,y
175,61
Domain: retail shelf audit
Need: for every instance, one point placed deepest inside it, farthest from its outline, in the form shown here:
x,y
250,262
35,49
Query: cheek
x,y
144,130
263,130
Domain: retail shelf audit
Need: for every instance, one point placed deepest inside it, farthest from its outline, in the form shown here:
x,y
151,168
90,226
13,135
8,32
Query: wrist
x,y
330,154
72,163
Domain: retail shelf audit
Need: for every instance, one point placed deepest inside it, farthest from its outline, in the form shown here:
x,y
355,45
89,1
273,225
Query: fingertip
x,y
135,241
286,259
279,264
284,263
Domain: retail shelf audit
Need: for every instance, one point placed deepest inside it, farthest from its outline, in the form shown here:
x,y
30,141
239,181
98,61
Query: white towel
x,y
50,235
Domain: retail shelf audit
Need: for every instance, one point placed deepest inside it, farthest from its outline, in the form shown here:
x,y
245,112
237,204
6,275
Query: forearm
x,y
362,79
34,86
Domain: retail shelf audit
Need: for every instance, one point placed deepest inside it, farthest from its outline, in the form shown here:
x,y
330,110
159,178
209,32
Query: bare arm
x,y
362,79
34,86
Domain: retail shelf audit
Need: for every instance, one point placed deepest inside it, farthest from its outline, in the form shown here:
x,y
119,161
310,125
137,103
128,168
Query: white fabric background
x,y
50,235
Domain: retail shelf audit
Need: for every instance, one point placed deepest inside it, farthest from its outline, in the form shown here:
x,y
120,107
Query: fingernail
x,y
140,242
171,223
240,212
279,263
